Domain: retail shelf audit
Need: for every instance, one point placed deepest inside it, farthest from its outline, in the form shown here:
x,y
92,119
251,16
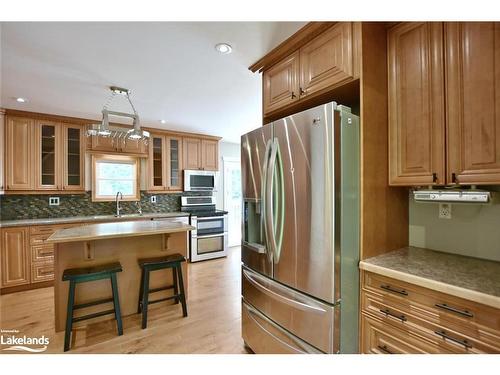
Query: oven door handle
x,y
212,235
203,218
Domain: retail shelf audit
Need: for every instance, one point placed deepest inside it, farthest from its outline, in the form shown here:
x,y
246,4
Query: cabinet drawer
x,y
419,323
43,229
380,338
38,234
42,272
39,239
467,316
42,253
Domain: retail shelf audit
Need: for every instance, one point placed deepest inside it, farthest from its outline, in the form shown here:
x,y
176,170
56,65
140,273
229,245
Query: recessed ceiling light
x,y
163,121
21,100
223,48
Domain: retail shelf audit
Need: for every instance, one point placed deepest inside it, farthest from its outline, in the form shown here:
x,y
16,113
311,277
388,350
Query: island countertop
x,y
90,218
116,230
474,279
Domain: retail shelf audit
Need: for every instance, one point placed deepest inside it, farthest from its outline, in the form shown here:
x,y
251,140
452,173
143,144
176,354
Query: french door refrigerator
x,y
300,239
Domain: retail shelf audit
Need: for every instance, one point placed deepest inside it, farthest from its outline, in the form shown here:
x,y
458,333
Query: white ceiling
x,y
172,69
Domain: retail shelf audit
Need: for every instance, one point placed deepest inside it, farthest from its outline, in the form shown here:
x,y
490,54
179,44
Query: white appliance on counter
x,y
209,240
452,196
196,180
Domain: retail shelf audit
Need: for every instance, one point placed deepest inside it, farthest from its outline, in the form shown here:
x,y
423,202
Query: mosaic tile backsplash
x,y
17,207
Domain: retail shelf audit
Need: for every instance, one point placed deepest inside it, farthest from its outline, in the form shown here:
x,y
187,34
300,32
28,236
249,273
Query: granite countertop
x,y
102,231
86,219
474,279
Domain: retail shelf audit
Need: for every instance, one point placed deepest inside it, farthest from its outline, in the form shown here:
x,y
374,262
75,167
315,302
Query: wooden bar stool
x,y
82,275
154,264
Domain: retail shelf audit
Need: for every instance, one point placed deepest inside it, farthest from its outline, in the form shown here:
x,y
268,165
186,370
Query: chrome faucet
x,y
139,207
118,208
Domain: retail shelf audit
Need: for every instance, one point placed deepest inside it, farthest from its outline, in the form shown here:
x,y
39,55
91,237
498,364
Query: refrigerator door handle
x,y
299,346
267,198
286,296
265,176
280,205
275,183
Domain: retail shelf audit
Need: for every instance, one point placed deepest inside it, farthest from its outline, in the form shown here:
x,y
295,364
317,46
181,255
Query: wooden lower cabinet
x,y
380,338
399,317
15,257
26,259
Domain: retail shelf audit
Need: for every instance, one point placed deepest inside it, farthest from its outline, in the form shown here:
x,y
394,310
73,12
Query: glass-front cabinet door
x,y
174,163
47,156
73,163
157,165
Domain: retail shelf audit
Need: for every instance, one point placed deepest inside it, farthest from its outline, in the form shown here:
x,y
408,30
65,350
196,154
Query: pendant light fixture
x,y
103,128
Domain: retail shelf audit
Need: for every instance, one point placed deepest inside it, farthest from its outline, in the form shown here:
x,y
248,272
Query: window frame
x,y
125,159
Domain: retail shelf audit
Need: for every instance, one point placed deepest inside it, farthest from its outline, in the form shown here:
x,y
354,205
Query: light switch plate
x,y
153,199
53,201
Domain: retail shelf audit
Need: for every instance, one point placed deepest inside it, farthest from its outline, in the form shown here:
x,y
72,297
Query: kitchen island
x,y
125,242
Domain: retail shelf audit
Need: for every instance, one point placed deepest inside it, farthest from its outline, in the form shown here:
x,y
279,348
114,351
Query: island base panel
x,y
126,251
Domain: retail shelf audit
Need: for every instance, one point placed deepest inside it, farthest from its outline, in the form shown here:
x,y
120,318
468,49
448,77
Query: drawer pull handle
x,y
445,336
391,289
45,253
389,313
385,350
444,306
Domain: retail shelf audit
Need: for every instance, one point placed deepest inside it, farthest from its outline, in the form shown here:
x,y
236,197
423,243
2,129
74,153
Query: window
x,y
115,173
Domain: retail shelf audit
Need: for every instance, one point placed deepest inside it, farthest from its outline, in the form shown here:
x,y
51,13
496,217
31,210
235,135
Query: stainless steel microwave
x,y
195,180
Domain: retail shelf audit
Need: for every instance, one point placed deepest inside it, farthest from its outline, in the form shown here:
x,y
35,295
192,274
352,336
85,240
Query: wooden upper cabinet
x,y
118,145
15,257
157,163
473,102
103,144
19,153
327,60
209,155
174,162
416,104
48,153
192,153
165,163
2,149
281,83
73,156
131,146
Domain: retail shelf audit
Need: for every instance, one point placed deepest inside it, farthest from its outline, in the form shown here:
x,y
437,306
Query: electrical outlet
x,y
153,199
53,201
445,211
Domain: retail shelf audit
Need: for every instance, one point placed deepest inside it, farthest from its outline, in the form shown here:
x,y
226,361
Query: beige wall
x,y
473,230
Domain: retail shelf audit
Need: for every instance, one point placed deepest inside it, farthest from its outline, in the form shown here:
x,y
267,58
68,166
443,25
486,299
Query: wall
x,y
473,230
15,207
226,149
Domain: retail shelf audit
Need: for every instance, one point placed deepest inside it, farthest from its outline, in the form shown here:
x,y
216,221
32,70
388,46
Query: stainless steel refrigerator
x,y
300,239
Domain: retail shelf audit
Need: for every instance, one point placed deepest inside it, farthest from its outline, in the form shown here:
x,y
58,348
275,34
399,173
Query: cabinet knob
x,y
293,95
302,91
454,178
434,177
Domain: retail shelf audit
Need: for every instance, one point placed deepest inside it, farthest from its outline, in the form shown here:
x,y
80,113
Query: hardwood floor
x,y
213,324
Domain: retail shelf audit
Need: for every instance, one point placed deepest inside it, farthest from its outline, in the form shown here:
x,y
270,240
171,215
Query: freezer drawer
x,y
307,318
264,336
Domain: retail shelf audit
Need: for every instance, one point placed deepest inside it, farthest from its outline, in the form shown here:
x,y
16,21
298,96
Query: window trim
x,y
116,158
